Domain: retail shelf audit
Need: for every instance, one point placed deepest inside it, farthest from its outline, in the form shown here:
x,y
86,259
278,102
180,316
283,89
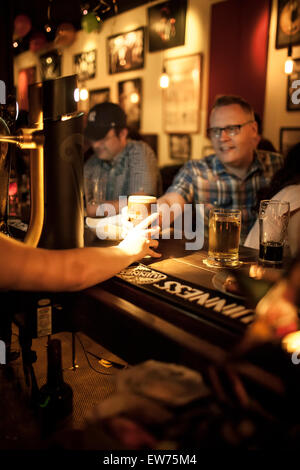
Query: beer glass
x,y
224,237
273,221
140,207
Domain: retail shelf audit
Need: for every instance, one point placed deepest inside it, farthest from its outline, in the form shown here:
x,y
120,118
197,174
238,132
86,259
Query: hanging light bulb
x,y
134,98
289,63
164,79
83,94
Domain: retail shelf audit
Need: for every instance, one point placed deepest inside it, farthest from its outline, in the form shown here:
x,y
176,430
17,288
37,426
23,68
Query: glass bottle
x,y
56,396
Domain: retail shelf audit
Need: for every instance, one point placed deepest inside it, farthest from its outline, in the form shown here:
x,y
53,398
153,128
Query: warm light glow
x,y
288,66
164,80
17,110
76,95
134,98
256,271
66,117
195,74
49,60
15,44
85,12
83,94
291,342
48,28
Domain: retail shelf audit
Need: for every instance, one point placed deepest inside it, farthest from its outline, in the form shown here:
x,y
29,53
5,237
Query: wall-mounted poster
x,y
180,146
293,88
166,25
181,100
126,51
85,65
50,65
288,23
289,136
101,95
130,97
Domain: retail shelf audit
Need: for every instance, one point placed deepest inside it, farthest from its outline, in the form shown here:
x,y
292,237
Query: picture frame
x,y
50,65
288,31
101,95
85,65
293,102
180,146
289,136
130,100
166,25
181,100
126,51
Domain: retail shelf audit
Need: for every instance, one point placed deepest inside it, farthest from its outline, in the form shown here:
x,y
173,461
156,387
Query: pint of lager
x,y
224,237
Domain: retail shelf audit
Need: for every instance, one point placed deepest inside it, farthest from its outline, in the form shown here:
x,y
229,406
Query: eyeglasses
x,y
215,132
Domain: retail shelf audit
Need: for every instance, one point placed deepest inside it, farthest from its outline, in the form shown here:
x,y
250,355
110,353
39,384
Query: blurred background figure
x,y
118,166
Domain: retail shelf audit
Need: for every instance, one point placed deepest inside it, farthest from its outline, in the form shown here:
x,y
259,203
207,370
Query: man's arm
x,y
173,201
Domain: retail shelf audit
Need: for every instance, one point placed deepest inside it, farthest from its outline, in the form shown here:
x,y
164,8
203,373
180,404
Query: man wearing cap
x,y
119,166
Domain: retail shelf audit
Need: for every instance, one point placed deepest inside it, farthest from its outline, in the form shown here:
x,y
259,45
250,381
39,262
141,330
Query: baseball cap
x,y
103,117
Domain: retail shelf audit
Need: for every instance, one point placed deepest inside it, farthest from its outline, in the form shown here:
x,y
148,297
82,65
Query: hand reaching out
x,y
139,242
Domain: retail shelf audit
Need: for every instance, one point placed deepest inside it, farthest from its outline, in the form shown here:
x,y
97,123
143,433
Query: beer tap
x,y
32,140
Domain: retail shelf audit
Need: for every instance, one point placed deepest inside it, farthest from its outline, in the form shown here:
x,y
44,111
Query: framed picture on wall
x,y
101,95
289,136
85,65
180,146
50,64
293,89
288,23
181,100
130,99
126,51
166,25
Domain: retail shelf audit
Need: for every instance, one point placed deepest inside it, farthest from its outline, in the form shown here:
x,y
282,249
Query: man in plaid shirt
x,y
119,166
232,176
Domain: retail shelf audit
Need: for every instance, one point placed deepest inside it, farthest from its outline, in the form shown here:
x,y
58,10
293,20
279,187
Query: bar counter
x,y
154,321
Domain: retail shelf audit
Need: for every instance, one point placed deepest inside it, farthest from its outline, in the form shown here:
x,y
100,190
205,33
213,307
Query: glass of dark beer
x,y
224,237
273,222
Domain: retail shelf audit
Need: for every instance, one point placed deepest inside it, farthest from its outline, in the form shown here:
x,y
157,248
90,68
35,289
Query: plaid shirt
x,y
134,170
207,181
